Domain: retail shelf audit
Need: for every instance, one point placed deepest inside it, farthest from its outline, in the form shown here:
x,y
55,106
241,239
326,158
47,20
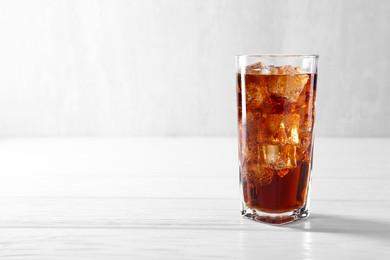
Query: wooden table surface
x,y
178,198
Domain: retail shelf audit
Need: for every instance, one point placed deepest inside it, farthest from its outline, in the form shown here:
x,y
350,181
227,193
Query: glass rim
x,y
278,56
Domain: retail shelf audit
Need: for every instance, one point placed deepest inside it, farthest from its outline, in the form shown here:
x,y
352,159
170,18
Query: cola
x,y
276,108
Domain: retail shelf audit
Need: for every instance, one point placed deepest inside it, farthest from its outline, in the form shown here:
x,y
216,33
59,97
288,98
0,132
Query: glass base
x,y
274,218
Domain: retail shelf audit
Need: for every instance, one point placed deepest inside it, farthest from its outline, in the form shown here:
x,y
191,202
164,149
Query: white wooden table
x,y
177,198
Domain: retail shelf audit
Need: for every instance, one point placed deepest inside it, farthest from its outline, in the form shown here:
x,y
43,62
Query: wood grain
x,y
83,198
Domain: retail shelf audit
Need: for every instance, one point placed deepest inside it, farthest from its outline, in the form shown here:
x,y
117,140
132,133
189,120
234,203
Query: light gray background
x,y
167,67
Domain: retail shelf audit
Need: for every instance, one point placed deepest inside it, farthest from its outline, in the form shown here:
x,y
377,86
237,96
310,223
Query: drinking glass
x,y
276,106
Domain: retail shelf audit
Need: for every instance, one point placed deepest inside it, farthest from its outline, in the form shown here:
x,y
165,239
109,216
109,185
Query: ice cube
x,y
284,128
260,68
254,130
303,151
270,69
266,71
265,176
255,94
287,70
280,157
250,151
255,68
279,136
287,85
304,155
282,136
307,124
305,140
271,153
294,136
258,173
291,122
282,173
290,155
273,122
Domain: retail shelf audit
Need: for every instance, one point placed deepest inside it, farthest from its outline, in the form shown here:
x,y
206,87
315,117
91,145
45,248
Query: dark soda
x,y
275,118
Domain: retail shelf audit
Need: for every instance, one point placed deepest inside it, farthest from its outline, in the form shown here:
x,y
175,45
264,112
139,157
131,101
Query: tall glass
x,y
276,103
